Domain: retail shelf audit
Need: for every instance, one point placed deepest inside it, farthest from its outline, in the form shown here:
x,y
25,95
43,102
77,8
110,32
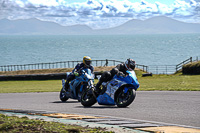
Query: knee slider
x,y
114,71
105,76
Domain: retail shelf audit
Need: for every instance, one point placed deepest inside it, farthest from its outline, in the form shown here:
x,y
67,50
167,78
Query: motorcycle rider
x,y
75,72
120,70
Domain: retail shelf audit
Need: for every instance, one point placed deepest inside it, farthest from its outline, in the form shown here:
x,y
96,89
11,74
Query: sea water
x,y
167,49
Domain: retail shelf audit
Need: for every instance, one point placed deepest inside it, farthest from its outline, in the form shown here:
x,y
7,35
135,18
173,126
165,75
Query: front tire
x,y
63,96
125,99
87,98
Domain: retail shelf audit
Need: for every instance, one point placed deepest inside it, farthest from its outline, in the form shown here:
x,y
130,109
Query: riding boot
x,y
66,85
67,90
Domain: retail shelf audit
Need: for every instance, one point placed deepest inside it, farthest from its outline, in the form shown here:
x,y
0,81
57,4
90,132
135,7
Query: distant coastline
x,y
155,25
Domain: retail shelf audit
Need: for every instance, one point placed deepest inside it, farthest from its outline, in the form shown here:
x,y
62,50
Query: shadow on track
x,y
65,102
99,107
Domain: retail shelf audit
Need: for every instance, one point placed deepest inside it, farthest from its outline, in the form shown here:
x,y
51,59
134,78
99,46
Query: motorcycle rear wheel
x,y
125,99
63,96
87,98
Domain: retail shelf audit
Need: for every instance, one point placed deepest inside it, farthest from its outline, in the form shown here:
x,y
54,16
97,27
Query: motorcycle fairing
x,y
74,83
108,97
77,81
133,79
117,82
130,79
105,99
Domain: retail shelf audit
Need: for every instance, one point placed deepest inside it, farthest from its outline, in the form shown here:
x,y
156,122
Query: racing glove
x,y
76,73
121,74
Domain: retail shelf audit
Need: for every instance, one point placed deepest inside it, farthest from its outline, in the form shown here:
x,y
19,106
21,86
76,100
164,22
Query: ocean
x,y
169,49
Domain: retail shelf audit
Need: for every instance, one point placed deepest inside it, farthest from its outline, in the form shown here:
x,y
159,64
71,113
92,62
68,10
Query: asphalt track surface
x,y
174,107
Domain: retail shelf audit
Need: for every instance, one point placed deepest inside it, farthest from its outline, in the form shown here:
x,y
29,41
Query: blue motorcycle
x,y
77,86
120,91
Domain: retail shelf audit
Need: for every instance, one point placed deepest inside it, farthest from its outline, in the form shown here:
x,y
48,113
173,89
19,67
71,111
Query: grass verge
x,y
47,71
176,82
156,82
13,124
170,83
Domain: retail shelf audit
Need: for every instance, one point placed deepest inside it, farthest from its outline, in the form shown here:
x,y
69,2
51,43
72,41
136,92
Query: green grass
x,y
30,86
13,124
156,82
170,83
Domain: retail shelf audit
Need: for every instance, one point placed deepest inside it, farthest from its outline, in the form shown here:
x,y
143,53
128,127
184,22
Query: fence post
x,y
190,59
57,65
156,69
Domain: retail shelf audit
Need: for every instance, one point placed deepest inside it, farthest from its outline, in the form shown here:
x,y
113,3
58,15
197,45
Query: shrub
x,y
192,68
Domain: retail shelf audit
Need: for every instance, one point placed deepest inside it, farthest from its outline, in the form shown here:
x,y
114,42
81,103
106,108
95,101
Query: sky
x,y
99,14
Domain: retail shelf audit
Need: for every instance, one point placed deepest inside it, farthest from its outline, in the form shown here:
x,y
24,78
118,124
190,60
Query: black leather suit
x,y
108,75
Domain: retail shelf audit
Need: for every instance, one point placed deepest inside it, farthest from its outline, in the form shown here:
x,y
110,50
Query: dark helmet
x,y
87,60
130,64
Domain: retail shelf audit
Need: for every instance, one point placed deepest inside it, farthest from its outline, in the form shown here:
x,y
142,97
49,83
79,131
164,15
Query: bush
x,y
192,68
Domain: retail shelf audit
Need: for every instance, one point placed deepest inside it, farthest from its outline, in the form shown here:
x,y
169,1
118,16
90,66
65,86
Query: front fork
x,y
63,84
91,86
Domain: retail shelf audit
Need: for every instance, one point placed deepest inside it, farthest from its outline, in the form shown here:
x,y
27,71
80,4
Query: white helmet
x,y
130,64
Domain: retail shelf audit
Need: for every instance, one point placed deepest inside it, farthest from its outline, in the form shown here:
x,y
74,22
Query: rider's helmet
x,y
130,64
87,60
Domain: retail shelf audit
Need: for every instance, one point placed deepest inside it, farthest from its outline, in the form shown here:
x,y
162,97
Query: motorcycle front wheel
x,y
87,98
63,96
125,99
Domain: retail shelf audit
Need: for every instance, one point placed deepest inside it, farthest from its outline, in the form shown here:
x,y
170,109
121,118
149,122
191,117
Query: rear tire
x,y
63,96
87,98
125,99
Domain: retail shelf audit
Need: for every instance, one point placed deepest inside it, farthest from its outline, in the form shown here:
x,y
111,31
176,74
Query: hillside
x,y
155,25
37,27
46,71
58,70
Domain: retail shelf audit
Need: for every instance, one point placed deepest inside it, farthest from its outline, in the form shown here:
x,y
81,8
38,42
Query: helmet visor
x,y
132,65
88,62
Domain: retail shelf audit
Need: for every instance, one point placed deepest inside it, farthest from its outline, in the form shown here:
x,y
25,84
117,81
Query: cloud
x,y
98,14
